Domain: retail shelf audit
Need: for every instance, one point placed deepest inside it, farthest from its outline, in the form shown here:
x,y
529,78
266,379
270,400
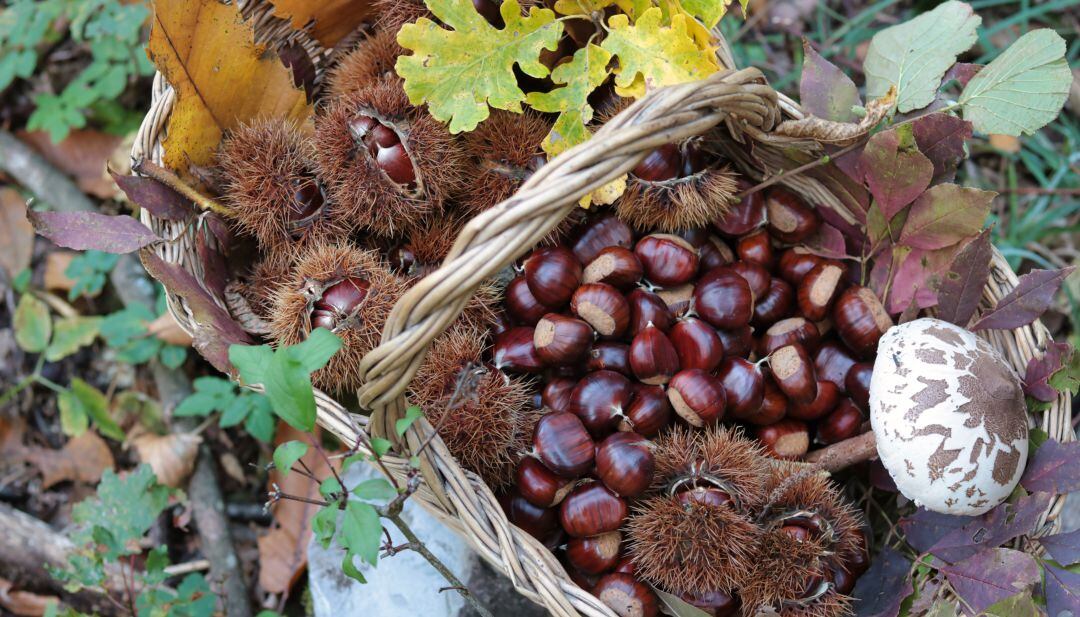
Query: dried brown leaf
x,y
838,133
166,329
172,456
23,603
82,459
16,233
82,155
56,264
331,20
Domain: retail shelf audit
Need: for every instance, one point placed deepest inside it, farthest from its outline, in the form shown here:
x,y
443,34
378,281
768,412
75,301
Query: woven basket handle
x,y
498,236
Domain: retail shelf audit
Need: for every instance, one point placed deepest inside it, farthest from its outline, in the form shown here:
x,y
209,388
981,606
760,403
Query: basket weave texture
x,y
740,104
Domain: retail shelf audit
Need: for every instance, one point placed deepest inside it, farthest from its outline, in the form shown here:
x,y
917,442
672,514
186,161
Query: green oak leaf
x,y
578,78
70,334
652,55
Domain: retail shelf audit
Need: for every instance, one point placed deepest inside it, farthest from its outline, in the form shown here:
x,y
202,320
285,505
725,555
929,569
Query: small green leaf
x,y
329,486
172,356
70,334
33,327
1036,438
286,455
237,410
252,361
380,446
314,352
22,281
376,489
260,422
361,531
96,405
122,511
1023,89
288,386
324,523
73,417
412,414
350,569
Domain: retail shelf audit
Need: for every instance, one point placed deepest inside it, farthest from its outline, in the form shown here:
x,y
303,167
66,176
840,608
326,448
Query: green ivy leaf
x,y
126,326
579,77
324,523
361,531
375,489
88,270
211,394
459,71
1023,89
33,326
412,414
914,55
172,356
286,455
71,334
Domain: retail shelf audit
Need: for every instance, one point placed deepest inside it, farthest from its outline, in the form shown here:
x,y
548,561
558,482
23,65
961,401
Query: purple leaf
x,y
991,576
992,529
894,170
825,91
89,230
962,287
215,270
1062,591
917,275
884,586
962,72
155,197
1063,547
215,329
941,138
828,242
299,63
1034,294
1053,469
1039,370
924,529
944,215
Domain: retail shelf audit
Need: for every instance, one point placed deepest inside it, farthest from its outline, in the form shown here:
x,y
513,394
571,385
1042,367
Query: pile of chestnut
x,y
737,324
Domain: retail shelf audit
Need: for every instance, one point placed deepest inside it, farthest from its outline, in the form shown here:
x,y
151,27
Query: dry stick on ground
x,y
132,285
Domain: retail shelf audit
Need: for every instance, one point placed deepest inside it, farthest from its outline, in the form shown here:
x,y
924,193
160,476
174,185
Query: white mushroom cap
x,y
949,417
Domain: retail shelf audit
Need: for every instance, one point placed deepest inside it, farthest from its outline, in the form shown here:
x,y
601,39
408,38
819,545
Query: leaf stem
x,y
171,180
48,383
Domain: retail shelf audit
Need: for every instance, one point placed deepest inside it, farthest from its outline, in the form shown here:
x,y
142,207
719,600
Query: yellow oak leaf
x,y
331,20
221,77
461,71
661,55
633,8
579,77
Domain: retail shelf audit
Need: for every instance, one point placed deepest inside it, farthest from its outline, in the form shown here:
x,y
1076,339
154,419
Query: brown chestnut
x,y
625,464
795,264
536,521
539,485
522,304
626,596
819,289
714,603
647,307
617,266
697,344
592,509
723,298
832,363
794,373
600,399
744,386
773,405
825,401
790,220
595,554
738,341
714,253
788,331
697,397
561,340
787,439
704,495
756,247
553,273
563,445
611,356
744,216
857,383
842,580
667,259
648,412
860,320
757,276
696,236
600,233
603,307
775,304
843,423
514,351
653,358
340,301
663,163
678,298
556,393
397,165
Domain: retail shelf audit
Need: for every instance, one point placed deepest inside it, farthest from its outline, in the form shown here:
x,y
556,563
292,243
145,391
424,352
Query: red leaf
x,y
945,215
828,242
962,287
885,585
825,91
1039,370
917,274
1053,469
995,528
941,138
1062,591
1033,295
991,576
895,170
89,230
962,72
155,197
215,329
296,59
1063,547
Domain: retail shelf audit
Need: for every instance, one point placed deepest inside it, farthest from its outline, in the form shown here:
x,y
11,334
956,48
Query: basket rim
x,y
459,498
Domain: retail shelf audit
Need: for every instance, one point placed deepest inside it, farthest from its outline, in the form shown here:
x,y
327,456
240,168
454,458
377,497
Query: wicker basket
x,y
738,103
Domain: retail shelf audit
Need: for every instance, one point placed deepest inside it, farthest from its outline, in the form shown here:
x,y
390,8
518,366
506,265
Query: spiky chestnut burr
x,y
345,289
393,14
265,276
485,417
387,165
693,533
809,534
268,169
372,59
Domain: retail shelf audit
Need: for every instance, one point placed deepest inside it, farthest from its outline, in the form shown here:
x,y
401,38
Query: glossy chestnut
x,y
653,358
522,304
553,273
697,344
793,372
744,385
667,259
514,351
860,320
595,554
603,307
591,509
788,331
697,396
828,394
704,496
738,341
757,276
647,307
561,340
744,216
832,362
723,298
756,247
663,163
790,220
539,485
625,464
600,233
843,423
536,521
775,304
617,266
819,289
649,411
611,356
787,439
626,596
795,264
563,445
556,393
773,405
600,399
857,383
678,298
714,253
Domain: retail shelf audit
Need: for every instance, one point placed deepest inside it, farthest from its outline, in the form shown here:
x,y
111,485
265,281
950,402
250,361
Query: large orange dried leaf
x,y
334,19
221,77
